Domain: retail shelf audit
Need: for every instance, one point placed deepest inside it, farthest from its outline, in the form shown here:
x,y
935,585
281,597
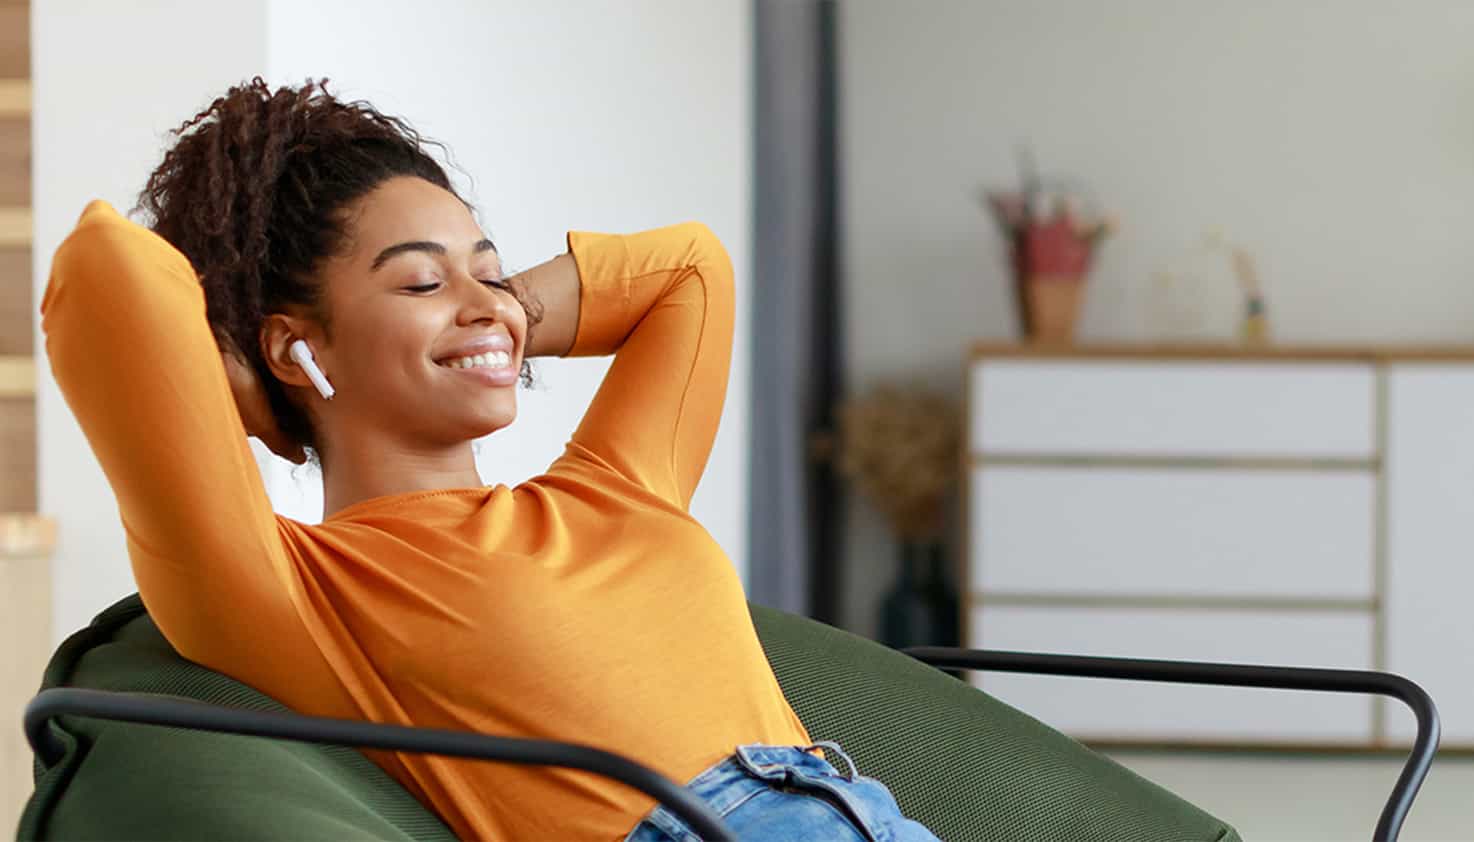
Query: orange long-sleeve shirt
x,y
583,605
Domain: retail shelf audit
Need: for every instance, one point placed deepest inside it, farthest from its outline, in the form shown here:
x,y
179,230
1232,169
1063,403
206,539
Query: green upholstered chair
x,y
964,764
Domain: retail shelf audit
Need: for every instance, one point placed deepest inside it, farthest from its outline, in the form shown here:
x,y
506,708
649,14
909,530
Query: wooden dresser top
x,y
1210,351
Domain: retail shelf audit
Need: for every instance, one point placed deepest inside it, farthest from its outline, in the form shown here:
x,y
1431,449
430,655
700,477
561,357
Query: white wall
x,y
1335,138
581,115
110,80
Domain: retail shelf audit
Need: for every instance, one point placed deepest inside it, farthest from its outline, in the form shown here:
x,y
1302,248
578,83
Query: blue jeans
x,y
782,793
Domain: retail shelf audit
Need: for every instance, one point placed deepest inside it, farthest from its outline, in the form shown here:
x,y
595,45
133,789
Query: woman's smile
x,y
493,369
490,359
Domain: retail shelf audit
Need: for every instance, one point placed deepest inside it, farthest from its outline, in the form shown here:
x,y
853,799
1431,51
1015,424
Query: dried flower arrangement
x,y
900,447
1053,233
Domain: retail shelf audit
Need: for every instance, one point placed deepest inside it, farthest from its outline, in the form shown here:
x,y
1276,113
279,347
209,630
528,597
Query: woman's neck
x,y
356,471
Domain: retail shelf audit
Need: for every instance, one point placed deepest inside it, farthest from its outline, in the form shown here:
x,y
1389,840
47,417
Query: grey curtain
x,y
794,532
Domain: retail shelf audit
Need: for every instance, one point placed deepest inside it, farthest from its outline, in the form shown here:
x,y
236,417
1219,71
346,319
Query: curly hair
x,y
255,193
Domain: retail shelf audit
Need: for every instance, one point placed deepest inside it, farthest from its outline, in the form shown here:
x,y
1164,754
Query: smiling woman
x,y
416,286
285,216
306,234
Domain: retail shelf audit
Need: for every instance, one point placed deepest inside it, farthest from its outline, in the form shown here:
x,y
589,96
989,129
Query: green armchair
x,y
959,761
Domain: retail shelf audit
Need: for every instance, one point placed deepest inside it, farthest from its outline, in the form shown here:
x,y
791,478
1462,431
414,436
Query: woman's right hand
x,y
255,410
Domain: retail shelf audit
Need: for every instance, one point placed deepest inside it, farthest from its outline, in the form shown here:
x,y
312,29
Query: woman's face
x,y
426,343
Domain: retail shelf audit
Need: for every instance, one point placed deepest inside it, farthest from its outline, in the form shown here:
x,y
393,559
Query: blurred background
x,y
1136,327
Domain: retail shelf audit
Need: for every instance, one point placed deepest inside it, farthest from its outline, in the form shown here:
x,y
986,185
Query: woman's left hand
x,y
255,410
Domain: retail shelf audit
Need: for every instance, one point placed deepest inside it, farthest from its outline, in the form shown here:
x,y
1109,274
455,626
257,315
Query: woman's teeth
x,y
493,359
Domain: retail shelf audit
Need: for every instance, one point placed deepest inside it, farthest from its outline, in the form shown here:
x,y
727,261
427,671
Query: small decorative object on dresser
x,y
1211,292
1052,235
900,447
1254,329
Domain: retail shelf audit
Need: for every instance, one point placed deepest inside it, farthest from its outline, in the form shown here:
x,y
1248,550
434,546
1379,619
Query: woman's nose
x,y
479,301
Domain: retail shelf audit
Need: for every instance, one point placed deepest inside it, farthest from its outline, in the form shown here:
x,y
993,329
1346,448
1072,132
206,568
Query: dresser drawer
x,y
1173,408
1109,709
1173,532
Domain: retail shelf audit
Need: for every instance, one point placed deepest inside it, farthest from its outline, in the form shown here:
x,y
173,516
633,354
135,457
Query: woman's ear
x,y
278,332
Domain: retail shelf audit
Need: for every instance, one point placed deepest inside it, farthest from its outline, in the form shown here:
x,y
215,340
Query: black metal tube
x,y
1425,744
153,709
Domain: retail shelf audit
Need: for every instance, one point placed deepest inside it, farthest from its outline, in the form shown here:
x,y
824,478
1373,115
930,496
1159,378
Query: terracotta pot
x,y
1050,307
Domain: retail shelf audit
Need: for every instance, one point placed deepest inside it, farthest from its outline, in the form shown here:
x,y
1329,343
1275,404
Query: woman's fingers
x,y
285,448
255,410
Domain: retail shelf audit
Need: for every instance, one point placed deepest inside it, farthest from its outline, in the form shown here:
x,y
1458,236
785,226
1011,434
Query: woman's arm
x,y
554,286
130,347
662,302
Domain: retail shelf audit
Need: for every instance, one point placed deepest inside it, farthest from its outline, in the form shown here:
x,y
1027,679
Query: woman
x,y
583,605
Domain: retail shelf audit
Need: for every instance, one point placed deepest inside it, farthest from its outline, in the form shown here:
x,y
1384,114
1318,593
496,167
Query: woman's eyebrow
x,y
425,246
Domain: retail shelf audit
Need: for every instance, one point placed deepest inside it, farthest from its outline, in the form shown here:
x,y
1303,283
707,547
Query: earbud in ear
x,y
303,356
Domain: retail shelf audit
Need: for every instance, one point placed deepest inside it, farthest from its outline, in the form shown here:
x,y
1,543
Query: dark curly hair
x,y
255,193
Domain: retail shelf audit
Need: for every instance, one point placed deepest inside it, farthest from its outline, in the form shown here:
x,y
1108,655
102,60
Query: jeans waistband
x,y
757,756
716,787
739,776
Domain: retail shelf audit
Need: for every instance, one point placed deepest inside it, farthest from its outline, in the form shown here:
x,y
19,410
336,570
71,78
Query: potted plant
x,y
901,448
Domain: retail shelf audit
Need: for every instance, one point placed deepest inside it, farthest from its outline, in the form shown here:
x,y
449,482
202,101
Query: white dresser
x,y
1310,507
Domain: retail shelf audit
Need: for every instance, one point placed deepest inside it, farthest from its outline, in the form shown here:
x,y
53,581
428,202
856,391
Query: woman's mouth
x,y
493,368
490,359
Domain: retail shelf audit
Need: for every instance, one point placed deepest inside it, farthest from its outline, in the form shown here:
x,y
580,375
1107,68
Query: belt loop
x,y
833,746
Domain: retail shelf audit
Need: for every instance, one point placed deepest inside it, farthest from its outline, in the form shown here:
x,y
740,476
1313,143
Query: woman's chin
x,y
496,419
470,420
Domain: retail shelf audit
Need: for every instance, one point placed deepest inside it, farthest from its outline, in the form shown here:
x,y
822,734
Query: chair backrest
x,y
124,781
964,764
959,761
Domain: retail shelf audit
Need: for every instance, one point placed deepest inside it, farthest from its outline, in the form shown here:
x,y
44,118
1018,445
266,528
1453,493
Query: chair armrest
x,y
177,712
1414,771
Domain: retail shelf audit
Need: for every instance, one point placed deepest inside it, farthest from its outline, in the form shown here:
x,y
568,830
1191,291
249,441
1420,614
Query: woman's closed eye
x,y
499,283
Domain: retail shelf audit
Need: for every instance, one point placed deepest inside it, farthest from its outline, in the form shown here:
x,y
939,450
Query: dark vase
x,y
920,609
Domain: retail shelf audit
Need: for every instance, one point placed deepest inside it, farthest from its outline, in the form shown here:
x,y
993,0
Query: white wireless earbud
x,y
303,355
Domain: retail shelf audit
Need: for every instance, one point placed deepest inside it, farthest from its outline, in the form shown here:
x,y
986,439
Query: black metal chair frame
x,y
1414,771
170,711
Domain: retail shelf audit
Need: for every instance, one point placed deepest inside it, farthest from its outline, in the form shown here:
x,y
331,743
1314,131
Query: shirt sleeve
x,y
662,303
130,347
